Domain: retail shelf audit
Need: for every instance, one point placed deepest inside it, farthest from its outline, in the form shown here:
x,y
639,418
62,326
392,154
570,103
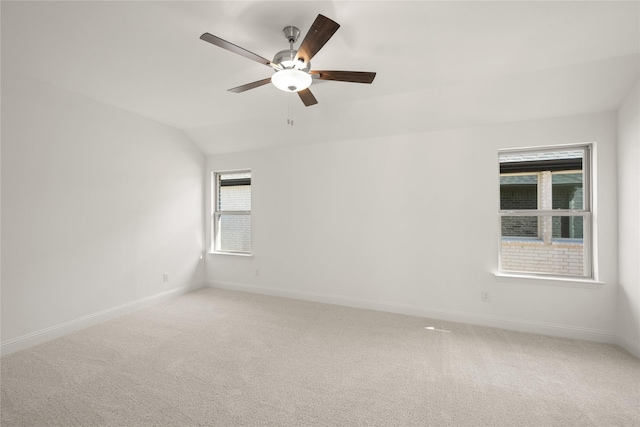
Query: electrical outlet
x,y
485,296
165,277
257,272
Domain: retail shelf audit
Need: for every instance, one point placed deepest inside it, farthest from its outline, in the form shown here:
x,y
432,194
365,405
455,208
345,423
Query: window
x,y
545,212
232,212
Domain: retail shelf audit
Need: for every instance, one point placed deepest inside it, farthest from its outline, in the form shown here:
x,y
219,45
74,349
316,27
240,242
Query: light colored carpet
x,y
222,358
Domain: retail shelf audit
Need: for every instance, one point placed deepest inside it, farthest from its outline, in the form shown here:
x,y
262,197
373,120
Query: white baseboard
x,y
452,316
630,346
38,337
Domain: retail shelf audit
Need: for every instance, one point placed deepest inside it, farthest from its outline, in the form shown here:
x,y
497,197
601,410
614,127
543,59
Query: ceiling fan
x,y
293,67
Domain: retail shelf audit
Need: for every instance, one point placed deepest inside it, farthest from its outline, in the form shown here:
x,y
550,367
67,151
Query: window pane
x,y
535,161
234,198
567,190
234,233
558,248
518,191
568,227
520,226
556,175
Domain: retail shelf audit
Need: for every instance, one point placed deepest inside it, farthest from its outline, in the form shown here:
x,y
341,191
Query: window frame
x,y
217,213
586,213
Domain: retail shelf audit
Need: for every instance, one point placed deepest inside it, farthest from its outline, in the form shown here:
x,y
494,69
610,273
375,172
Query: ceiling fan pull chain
x,y
289,118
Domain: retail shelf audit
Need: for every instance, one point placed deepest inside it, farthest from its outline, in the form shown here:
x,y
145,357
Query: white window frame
x,y
586,213
217,213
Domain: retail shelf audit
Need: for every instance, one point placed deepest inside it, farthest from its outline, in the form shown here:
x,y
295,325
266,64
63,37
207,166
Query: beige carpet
x,y
221,358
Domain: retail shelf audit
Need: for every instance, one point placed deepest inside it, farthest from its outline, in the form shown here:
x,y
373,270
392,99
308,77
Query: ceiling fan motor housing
x,y
286,58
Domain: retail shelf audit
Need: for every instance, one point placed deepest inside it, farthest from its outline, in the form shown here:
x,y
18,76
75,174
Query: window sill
x,y
571,282
240,254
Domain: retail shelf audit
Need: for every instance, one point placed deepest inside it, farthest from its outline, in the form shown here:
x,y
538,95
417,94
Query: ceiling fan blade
x,y
345,76
234,48
248,86
307,97
320,32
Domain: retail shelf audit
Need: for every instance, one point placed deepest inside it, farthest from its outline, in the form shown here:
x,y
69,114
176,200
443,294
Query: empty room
x,y
332,213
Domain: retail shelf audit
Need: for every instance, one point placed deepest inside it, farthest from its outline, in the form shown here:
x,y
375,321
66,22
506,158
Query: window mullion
x,y
537,212
233,212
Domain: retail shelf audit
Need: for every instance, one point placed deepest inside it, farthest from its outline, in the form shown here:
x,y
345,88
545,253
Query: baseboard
x,y
630,346
452,316
56,331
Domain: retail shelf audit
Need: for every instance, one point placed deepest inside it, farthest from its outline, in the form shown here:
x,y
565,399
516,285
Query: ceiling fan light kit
x,y
291,80
292,67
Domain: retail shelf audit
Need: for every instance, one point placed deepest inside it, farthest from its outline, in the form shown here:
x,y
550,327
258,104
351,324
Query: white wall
x,y
97,203
409,223
629,221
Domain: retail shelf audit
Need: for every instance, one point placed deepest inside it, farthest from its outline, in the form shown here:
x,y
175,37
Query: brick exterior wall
x,y
235,233
529,255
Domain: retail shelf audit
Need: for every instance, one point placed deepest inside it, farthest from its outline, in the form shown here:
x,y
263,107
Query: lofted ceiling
x,y
439,65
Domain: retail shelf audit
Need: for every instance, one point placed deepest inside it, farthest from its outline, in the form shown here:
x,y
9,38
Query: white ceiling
x,y
440,64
